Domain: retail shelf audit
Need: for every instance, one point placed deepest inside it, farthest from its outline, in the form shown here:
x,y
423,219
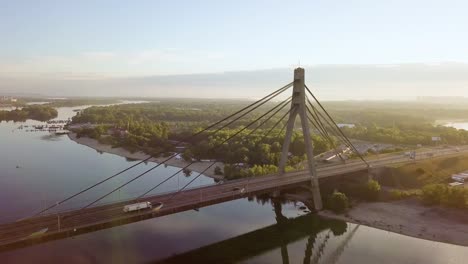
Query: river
x,y
458,125
38,169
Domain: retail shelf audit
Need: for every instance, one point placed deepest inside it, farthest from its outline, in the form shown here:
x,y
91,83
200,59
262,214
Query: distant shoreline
x,y
196,167
410,218
448,122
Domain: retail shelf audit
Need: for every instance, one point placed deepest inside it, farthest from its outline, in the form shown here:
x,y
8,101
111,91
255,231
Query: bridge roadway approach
x,y
25,232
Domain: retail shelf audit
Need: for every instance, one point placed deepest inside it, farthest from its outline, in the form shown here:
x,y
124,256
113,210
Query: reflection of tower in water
x,y
309,256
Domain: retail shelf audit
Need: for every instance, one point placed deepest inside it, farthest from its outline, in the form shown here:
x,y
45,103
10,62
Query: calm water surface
x,y
38,169
458,125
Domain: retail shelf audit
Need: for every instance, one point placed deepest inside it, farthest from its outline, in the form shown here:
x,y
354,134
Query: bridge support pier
x,y
298,107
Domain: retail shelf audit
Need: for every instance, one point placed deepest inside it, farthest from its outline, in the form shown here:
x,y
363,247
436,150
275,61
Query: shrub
x,y
218,171
420,171
455,197
187,172
440,194
433,193
371,190
187,155
338,202
403,194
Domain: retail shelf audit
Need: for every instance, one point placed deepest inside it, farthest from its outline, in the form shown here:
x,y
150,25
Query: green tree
x,y
433,194
187,155
218,171
338,202
371,190
455,197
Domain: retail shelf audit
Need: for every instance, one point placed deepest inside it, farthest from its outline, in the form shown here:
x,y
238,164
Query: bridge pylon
x,y
299,108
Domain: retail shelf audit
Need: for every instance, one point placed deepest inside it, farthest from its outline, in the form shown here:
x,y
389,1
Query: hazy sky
x,y
70,40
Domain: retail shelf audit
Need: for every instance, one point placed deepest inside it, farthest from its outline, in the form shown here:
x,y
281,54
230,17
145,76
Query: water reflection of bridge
x,y
286,231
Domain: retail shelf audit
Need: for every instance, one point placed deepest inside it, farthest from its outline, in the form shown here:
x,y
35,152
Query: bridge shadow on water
x,y
277,236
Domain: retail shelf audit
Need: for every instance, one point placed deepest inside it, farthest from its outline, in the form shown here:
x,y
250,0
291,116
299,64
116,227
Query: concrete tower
x,y
298,107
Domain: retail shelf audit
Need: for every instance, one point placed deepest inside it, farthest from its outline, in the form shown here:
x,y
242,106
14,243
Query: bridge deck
x,y
20,233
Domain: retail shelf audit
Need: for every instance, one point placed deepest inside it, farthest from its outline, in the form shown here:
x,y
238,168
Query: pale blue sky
x,y
137,38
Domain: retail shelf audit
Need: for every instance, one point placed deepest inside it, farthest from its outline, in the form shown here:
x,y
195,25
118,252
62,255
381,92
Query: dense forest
x,y
153,127
173,111
35,112
406,134
399,122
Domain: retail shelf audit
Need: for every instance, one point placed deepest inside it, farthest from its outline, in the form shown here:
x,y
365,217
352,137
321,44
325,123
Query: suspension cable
x,y
173,175
318,124
276,124
332,128
282,105
336,126
274,94
218,145
149,170
327,137
317,119
345,141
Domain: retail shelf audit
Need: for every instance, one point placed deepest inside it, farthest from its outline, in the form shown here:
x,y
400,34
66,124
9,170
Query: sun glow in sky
x,y
89,40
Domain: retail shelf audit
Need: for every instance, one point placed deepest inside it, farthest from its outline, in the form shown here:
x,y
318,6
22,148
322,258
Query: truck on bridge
x,y
137,206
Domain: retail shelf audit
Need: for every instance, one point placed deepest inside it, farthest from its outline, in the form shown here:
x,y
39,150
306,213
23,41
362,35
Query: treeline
x,y
152,126
254,154
157,127
410,134
151,138
35,112
245,155
441,194
81,101
383,113
180,112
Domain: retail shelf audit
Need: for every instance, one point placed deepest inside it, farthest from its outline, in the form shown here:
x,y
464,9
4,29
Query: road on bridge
x,y
74,222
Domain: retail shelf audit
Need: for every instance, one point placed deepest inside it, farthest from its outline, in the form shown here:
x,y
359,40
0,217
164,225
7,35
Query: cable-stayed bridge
x,y
44,226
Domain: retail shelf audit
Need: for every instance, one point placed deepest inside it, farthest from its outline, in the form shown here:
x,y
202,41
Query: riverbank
x,y
196,167
410,218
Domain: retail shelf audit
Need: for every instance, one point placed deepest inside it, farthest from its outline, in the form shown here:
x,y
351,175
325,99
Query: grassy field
x,y
420,173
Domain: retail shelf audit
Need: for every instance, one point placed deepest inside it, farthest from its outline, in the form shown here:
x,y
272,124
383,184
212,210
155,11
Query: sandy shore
x,y
409,217
196,167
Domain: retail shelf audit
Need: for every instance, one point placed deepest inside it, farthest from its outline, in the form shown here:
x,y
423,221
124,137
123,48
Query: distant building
x,y
8,99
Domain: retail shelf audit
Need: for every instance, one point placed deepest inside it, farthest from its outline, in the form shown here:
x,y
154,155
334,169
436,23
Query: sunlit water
x,y
38,169
458,125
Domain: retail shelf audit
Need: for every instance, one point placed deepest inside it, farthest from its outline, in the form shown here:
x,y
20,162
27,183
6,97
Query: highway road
x,y
74,222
